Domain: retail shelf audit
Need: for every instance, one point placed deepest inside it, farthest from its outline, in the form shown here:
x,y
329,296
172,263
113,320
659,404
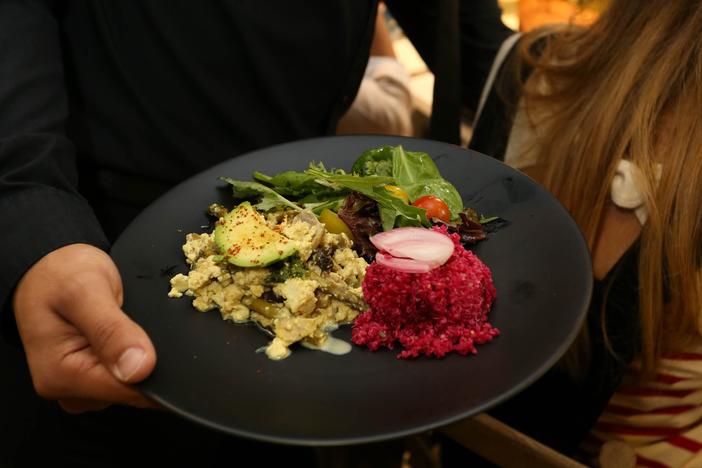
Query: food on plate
x,y
397,192
418,244
433,313
244,239
298,288
435,207
334,223
293,252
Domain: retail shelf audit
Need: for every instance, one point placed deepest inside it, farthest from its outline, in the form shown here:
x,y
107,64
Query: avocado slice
x,y
244,239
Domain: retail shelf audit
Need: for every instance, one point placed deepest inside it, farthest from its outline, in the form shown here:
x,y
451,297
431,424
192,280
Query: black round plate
x,y
208,370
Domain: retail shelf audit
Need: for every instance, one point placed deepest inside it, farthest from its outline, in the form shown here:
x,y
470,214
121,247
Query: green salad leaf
x,y
288,183
376,161
417,174
268,198
414,172
317,206
299,185
317,188
392,209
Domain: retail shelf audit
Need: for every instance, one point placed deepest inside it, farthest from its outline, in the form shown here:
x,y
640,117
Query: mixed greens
x,y
386,188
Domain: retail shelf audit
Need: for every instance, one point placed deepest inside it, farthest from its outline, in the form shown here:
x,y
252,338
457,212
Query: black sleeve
x,y
481,32
40,207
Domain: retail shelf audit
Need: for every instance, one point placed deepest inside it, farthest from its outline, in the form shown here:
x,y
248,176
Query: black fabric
x,y
445,124
481,33
157,91
106,104
558,410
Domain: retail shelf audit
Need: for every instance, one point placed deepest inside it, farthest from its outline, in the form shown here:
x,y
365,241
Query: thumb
x,y
120,344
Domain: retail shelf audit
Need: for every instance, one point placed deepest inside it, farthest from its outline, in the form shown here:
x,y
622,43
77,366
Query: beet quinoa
x,y
431,313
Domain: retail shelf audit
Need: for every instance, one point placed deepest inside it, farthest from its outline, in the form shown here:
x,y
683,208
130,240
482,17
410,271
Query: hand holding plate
x,y
81,348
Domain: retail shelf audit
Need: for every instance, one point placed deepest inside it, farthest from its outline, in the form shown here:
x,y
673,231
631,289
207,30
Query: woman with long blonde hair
x,y
609,119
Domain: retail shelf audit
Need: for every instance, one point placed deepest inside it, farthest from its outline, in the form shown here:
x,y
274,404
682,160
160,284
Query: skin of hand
x,y
81,348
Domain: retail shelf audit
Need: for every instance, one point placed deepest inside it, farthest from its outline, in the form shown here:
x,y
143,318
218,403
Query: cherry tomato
x,y
435,207
397,192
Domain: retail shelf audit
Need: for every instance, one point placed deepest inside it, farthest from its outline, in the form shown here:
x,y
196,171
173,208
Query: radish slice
x,y
404,234
405,265
420,244
435,253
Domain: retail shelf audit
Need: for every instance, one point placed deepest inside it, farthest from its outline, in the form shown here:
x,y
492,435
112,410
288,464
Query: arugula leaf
x,y
484,220
269,198
294,184
352,181
317,206
391,208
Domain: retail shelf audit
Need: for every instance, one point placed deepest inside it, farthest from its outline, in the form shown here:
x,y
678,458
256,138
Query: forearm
x,y
39,202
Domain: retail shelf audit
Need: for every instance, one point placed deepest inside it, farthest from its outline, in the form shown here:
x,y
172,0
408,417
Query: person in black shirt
x,y
104,106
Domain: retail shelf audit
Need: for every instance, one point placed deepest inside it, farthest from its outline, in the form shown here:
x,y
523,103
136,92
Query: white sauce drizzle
x,y
331,345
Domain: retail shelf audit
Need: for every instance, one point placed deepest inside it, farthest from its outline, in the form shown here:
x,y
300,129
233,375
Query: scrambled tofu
x,y
299,299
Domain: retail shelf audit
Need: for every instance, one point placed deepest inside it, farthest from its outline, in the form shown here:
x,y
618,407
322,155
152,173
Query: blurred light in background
x,y
519,15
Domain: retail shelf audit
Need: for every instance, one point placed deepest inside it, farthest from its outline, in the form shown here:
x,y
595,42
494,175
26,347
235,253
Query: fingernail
x,y
129,363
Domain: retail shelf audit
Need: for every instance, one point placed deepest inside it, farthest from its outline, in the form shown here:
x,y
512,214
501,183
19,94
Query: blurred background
x,y
519,15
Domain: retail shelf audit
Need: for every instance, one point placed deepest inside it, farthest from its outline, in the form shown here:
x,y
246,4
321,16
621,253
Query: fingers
x,y
64,366
90,300
86,377
121,345
81,347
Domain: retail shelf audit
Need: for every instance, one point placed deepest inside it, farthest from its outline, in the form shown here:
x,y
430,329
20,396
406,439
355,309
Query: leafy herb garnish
x,y
292,267
391,208
299,185
414,172
268,198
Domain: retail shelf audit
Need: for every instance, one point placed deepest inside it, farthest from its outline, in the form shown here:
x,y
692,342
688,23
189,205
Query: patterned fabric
x,y
662,419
